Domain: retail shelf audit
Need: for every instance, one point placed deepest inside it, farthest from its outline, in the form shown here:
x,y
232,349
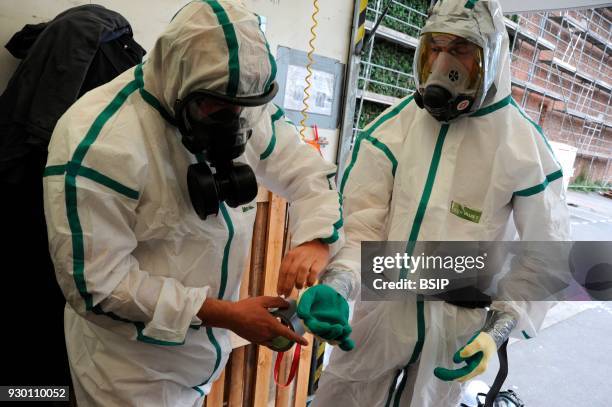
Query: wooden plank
x,y
263,195
301,386
274,253
250,374
262,381
255,289
236,384
215,397
274,244
237,368
258,250
285,394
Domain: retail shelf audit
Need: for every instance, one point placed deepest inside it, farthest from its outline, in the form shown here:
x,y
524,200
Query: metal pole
x,y
589,176
366,76
349,95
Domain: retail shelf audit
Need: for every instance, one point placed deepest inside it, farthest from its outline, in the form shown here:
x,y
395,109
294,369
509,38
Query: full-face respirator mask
x,y
449,73
216,128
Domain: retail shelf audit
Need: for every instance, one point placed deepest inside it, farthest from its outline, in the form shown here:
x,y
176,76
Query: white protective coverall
x,y
405,170
133,259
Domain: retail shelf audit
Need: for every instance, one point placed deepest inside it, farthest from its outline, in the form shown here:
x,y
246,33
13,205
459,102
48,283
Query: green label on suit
x,y
464,212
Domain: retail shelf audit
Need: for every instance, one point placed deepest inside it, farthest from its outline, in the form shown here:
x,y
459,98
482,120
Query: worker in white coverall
x,y
459,140
150,192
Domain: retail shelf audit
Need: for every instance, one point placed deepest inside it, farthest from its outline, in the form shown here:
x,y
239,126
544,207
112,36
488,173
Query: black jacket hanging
x,y
78,50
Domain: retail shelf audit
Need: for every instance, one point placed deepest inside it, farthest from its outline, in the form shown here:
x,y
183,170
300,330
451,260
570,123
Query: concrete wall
x,y
288,24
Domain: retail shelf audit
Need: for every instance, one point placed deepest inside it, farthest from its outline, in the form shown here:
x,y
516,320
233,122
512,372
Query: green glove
x,y
325,314
476,354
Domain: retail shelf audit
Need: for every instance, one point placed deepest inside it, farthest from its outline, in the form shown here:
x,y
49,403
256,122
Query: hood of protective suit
x,y
482,23
210,45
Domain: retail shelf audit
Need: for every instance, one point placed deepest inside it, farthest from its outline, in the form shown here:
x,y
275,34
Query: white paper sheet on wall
x,y
321,92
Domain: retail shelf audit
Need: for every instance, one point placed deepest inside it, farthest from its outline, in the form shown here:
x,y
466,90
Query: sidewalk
x,y
568,364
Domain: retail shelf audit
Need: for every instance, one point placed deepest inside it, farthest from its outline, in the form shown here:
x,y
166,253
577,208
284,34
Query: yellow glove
x,y
476,354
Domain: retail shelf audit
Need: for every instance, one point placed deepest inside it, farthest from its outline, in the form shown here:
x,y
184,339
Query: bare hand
x,y
249,318
301,266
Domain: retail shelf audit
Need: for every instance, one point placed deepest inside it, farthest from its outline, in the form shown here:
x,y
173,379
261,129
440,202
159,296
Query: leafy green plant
x,y
581,183
392,56
581,178
590,186
415,21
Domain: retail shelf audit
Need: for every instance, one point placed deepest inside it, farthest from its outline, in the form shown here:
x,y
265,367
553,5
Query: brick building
x,y
561,74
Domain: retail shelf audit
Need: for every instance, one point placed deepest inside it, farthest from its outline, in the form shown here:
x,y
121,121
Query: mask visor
x,y
447,56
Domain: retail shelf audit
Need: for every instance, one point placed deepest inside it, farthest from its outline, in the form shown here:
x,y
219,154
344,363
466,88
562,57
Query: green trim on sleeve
x,y
78,253
107,181
367,135
232,46
278,114
93,175
147,339
54,170
268,151
332,239
541,186
355,154
149,98
381,146
525,335
538,128
101,120
75,168
340,222
139,328
470,4
72,169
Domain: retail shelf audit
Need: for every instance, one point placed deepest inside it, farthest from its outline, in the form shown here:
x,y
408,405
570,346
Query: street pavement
x,y
590,216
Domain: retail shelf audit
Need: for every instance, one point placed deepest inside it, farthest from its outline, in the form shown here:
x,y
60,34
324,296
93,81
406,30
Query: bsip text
x,y
406,284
